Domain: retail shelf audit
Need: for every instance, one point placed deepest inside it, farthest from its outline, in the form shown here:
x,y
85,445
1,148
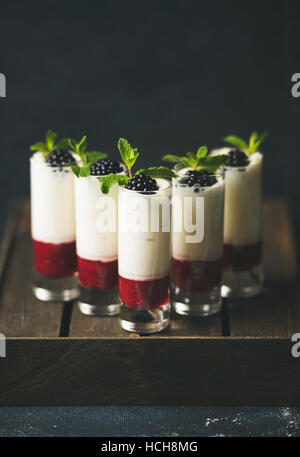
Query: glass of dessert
x,y
242,257
144,245
53,220
96,232
197,233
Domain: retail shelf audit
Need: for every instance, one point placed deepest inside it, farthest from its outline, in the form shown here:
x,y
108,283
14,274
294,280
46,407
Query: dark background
x,y
168,75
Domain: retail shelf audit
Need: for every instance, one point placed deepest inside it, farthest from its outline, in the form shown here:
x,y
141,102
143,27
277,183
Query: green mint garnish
x,y
157,172
190,160
199,160
88,158
212,163
109,180
255,141
128,154
50,143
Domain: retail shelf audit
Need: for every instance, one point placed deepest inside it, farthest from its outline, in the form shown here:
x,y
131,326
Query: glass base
x,y
97,302
144,321
242,284
188,303
55,289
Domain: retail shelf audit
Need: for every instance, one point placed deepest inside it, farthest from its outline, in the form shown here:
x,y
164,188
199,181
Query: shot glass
x,y
242,258
53,231
144,259
97,247
197,246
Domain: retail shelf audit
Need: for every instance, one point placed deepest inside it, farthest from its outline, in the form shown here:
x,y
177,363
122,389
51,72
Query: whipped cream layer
x,y
243,200
211,246
144,253
96,220
52,202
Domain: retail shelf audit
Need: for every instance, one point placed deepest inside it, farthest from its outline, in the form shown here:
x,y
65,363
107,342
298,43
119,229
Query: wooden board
x,y
21,314
56,356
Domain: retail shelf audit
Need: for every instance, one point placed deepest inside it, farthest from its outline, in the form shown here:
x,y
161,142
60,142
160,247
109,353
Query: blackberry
x,y
60,158
142,184
201,178
237,158
105,167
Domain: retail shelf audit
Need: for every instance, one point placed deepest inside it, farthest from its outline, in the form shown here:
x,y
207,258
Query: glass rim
x,y
148,193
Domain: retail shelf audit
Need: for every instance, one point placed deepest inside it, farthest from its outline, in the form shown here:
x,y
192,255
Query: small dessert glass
x,y
97,247
197,246
144,259
53,231
242,258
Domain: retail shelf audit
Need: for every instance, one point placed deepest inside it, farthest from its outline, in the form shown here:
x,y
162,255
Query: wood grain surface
x,y
56,356
21,314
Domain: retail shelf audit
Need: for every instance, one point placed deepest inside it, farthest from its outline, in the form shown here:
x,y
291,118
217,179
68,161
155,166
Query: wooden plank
x,y
276,312
280,253
151,371
21,314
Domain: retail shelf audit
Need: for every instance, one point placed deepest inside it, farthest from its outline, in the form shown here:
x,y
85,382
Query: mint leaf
x,y
172,158
157,172
128,153
63,143
76,170
80,172
212,163
51,137
190,160
254,142
94,156
202,152
40,146
49,145
236,141
107,181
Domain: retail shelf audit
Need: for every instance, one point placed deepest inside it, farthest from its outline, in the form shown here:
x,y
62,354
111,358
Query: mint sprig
x,y
88,158
128,154
157,172
49,144
109,180
190,160
253,144
199,160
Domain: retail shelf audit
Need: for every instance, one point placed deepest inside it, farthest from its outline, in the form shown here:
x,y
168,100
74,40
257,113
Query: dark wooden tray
x,y
56,356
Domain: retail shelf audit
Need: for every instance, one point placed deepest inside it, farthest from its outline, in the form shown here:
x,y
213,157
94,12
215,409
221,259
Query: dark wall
x,y
169,75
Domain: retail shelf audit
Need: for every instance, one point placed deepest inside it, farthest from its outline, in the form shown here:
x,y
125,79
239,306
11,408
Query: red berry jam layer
x,y
144,295
197,275
97,274
55,260
242,257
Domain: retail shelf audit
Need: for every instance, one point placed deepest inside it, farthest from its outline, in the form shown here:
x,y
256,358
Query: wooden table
x,y
56,356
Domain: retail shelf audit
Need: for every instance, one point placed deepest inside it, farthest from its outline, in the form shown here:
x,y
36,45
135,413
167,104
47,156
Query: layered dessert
x,y
242,220
144,255
97,239
242,254
143,243
198,206
53,221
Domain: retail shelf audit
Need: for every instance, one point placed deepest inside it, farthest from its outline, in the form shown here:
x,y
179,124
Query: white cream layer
x,y
211,246
52,202
96,220
143,255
